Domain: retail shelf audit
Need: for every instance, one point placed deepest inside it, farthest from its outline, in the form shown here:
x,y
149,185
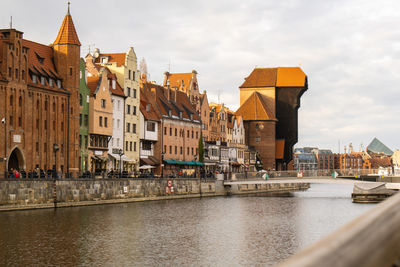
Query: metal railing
x,y
373,239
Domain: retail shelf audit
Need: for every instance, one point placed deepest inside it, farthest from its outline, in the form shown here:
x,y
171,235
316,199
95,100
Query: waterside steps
x,y
373,192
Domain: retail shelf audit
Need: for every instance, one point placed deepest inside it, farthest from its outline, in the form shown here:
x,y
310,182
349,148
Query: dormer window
x,y
148,107
104,60
42,80
58,83
170,113
113,84
180,114
191,116
34,78
51,82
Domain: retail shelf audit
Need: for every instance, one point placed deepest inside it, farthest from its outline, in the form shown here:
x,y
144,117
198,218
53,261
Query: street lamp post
x,y
3,121
120,153
162,164
55,149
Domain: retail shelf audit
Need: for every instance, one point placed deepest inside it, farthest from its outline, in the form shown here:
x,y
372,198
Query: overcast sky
x,y
349,49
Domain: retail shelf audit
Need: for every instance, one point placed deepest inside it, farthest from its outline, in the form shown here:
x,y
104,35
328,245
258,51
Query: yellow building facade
x,y
124,66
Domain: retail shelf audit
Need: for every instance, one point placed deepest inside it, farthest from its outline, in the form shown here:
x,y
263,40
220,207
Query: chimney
x,y
175,94
166,79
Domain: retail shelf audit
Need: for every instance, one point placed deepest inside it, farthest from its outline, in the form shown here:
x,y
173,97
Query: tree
x,y
201,148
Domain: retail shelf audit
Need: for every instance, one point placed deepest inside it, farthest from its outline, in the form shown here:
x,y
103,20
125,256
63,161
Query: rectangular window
x,y
192,151
86,120
165,130
170,131
128,127
45,124
170,149
37,146
176,150
197,135
101,121
128,91
133,128
181,150
103,103
192,134
134,146
134,93
128,109
165,149
126,145
134,110
70,71
151,126
176,132
188,133
188,151
105,122
129,74
130,145
133,75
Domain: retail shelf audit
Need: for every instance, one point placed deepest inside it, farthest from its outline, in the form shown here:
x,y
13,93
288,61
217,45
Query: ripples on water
x,y
222,231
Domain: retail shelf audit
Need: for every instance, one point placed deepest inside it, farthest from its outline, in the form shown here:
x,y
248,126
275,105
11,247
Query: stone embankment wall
x,y
15,195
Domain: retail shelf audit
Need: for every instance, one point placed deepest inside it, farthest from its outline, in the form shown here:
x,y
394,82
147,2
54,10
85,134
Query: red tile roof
x,y
145,99
67,33
275,77
118,89
182,103
118,58
176,80
93,83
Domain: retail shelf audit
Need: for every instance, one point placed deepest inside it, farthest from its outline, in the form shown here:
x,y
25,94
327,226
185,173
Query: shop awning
x,y
146,161
170,161
146,167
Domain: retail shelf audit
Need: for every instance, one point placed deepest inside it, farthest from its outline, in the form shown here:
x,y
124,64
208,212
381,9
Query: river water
x,y
220,231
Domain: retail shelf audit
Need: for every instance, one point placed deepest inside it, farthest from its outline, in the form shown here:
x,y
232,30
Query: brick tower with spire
x,y
66,58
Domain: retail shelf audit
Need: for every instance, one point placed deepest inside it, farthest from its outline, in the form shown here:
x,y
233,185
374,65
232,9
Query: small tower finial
x,y
68,9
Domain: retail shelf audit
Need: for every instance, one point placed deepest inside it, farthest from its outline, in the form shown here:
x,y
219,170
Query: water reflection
x,y
202,232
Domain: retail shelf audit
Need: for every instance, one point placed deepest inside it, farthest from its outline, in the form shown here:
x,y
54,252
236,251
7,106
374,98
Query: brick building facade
x,y
39,92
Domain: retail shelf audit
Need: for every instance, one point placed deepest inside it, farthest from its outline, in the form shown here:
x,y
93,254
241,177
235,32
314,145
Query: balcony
x,y
147,153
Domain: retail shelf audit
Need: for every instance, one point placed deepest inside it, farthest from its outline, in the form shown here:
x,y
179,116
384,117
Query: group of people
x,y
32,174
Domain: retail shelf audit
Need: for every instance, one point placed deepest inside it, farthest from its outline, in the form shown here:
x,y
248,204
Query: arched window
x,y
54,106
62,108
20,101
11,100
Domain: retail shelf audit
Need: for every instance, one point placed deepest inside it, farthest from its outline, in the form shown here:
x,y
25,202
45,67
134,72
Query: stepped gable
x,y
255,108
118,58
67,33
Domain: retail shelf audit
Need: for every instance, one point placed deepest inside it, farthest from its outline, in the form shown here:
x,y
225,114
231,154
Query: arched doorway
x,y
16,160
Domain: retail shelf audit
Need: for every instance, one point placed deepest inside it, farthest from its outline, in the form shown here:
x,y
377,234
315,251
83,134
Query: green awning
x,y
170,161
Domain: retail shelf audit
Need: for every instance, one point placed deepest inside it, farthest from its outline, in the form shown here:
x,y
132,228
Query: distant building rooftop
x,y
377,146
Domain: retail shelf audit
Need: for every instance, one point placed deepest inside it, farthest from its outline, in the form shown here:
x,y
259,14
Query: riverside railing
x,y
373,239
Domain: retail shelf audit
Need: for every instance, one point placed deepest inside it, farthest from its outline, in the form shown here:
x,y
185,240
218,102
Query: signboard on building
x,y
17,138
98,153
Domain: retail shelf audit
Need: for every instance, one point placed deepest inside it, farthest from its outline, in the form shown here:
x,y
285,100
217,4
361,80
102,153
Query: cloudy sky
x,y
350,50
